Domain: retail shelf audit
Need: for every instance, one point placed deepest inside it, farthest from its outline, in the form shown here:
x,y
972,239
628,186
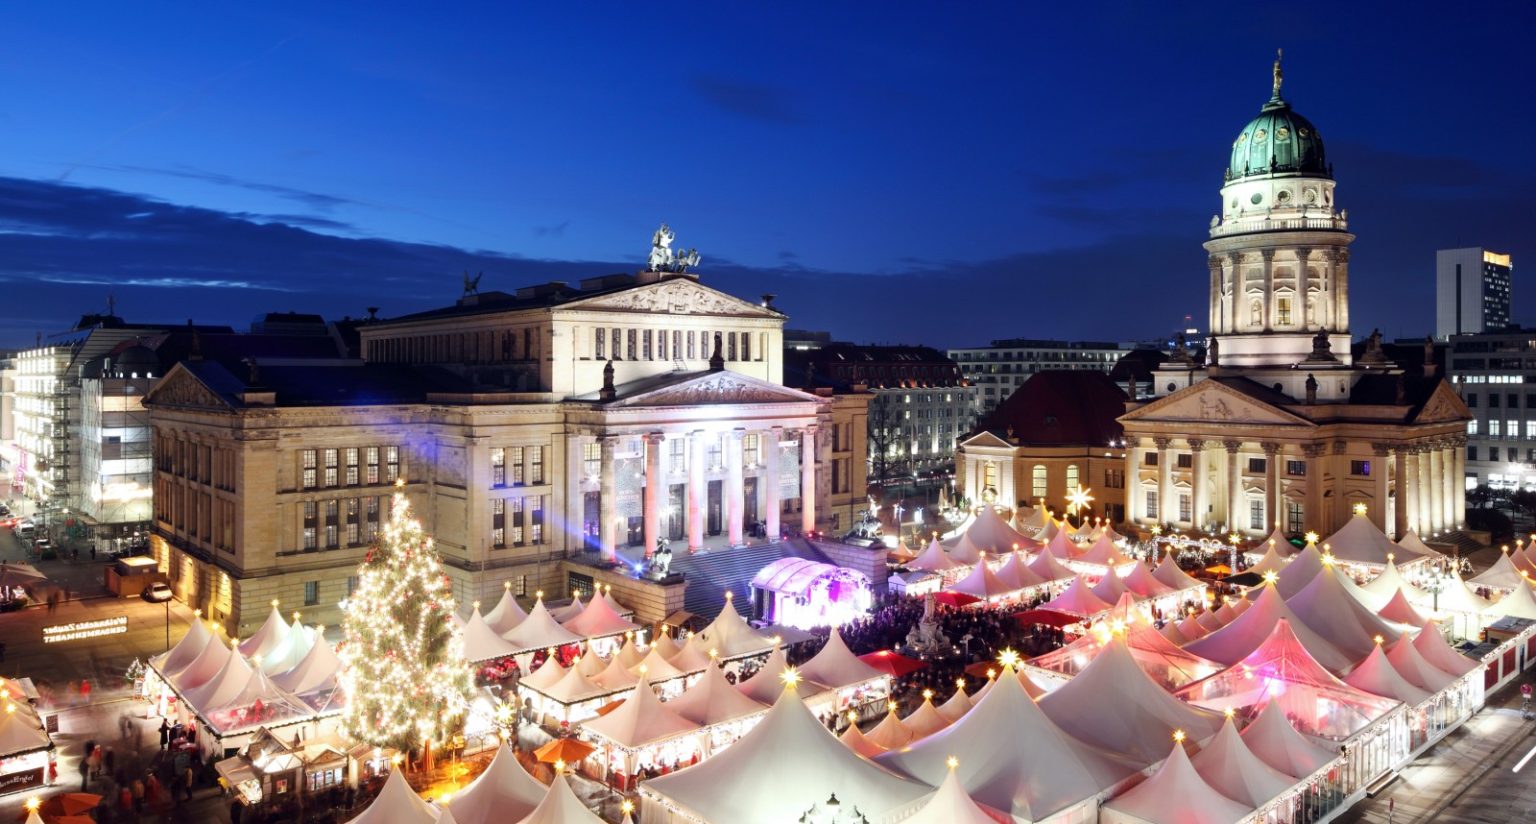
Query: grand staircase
x,y
710,574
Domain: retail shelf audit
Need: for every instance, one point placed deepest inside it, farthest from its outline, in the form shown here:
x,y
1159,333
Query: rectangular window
x,y
371,454
536,520
691,350
1283,312
1471,400
351,585
1152,504
1294,517
1512,401
1185,460
498,522
352,472
1360,468
517,521
1186,513
371,523
391,463
308,463
498,467
746,346
731,340
1150,459
1472,427
714,453
521,590
1114,479
1073,479
1493,427
332,522
1513,428
311,523
1471,452
1257,466
535,464
515,457
330,467
645,345
1256,514
1493,453
591,459
1493,400
600,343
679,455
1530,429
677,344
630,338
749,450
311,593
1296,468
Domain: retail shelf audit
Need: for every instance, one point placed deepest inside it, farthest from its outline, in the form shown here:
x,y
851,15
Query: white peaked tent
x,y
1410,663
33,818
1115,705
1141,581
1379,591
765,685
665,645
1175,794
1377,676
1050,568
1272,561
991,534
1016,574
1399,611
397,803
223,686
1192,629
613,604
293,649
569,611
1502,575
318,670
1208,621
1233,770
1458,597
1014,758
1077,599
539,631
1519,603
951,805
890,733
925,720
659,669
1415,547
205,666
1431,644
964,552
1169,573
1061,547
1048,531
503,792
185,652
1526,558
506,615
1271,737
615,676
730,635
630,655
641,720
573,688
836,666
271,635
691,658
1174,635
1110,588
560,806
1329,610
982,583
1359,541
713,700
957,705
22,731
481,643
854,739
1281,544
932,559
1300,571
598,619
1225,613
590,663
775,772
277,706
1104,553
1235,641
1030,519
547,675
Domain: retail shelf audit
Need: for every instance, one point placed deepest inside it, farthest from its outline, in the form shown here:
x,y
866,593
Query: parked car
x,y
157,592
25,528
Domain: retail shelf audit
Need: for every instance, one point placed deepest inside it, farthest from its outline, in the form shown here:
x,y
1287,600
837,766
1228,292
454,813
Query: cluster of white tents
x,y
282,675
507,631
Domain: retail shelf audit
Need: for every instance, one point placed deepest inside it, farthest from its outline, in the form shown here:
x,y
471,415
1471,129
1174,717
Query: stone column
x,y
1341,289
1274,496
1234,480
1269,289
1341,513
655,490
1448,483
1459,483
698,490
1198,492
1164,481
1134,500
1400,484
769,481
1436,511
1379,473
734,490
808,479
1410,500
1314,520
608,505
1235,307
1214,264
1425,482
575,501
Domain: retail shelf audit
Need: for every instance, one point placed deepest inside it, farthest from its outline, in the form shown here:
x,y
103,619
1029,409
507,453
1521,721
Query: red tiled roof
x,y
1061,408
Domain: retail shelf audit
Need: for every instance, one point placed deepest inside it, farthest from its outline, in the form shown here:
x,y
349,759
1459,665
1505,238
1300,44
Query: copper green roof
x,y
1279,142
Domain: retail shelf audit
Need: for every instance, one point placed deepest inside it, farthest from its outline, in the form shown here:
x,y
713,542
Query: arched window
x,y
1073,478
1037,487
1256,312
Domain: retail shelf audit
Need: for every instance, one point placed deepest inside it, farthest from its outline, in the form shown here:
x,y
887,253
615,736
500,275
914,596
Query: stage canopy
x,y
803,593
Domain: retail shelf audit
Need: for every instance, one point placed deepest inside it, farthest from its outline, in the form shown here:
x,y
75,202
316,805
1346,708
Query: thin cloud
x,y
749,100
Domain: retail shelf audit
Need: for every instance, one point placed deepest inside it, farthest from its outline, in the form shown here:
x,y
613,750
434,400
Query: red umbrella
x,y
955,599
892,663
1048,616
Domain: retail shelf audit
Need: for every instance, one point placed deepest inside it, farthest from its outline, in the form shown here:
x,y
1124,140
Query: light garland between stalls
x,y
402,657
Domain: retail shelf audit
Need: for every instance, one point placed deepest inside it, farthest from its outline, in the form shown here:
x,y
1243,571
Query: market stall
x,y
802,593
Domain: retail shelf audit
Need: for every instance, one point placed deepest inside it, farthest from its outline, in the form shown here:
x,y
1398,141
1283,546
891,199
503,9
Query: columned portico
x,y
734,488
696,490
608,501
1274,502
1199,507
1164,481
1459,480
1400,492
1379,473
655,490
1234,483
770,483
1448,483
1135,499
1314,510
1429,519
808,479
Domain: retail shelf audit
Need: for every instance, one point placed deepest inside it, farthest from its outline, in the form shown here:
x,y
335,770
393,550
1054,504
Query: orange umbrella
x,y
74,819
76,803
569,750
609,707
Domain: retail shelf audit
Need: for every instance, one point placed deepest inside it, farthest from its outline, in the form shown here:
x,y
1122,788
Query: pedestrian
x,y
138,795
93,552
188,779
165,733
85,774
85,691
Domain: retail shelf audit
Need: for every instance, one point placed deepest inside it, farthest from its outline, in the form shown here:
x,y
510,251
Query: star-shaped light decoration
x,y
1078,500
1008,658
1312,537
1360,508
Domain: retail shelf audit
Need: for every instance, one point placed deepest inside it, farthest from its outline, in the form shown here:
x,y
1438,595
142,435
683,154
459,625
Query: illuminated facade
x,y
1492,371
1471,291
997,370
1282,424
592,421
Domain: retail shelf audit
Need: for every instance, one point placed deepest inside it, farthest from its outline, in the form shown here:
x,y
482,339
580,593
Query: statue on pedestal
x,y
661,559
926,638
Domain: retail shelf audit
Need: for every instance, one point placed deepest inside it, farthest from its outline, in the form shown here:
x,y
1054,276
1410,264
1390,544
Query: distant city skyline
x,y
943,179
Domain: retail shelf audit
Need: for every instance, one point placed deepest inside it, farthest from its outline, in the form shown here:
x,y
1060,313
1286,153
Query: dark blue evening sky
x,y
944,173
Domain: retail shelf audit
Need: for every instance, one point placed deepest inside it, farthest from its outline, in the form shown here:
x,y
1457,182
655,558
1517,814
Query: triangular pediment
x,y
677,296
181,388
1212,402
1443,406
985,439
709,388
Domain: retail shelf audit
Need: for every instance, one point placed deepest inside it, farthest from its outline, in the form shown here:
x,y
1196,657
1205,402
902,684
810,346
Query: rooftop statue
x,y
663,259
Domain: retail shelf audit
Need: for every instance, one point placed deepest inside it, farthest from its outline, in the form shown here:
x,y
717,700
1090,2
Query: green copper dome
x,y
1278,142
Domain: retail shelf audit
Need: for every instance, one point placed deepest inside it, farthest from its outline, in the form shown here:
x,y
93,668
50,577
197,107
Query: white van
x,y
25,530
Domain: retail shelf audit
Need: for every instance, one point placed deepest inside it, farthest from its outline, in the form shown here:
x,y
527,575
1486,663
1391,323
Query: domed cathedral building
x,y
1281,423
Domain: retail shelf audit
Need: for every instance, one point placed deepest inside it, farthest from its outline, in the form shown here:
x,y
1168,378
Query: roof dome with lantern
x,y
1278,143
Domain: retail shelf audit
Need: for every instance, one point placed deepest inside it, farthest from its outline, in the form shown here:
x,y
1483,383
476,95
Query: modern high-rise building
x,y
997,370
1471,291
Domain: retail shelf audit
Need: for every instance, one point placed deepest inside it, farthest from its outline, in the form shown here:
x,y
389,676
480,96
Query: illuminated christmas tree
x,y
402,657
